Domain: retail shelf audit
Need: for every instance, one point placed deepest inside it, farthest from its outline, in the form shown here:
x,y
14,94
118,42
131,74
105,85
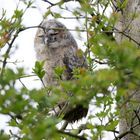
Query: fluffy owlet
x,y
55,45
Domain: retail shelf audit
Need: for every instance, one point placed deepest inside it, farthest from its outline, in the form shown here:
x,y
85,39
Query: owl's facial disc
x,y
53,38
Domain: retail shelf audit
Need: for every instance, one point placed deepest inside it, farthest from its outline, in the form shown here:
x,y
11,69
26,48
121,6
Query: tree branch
x,y
7,55
131,129
72,135
48,2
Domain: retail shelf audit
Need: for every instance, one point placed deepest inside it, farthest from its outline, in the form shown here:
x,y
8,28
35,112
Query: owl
x,y
56,46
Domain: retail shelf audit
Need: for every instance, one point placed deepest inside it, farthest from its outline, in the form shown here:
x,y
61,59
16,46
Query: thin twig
x,y
131,129
52,4
7,55
39,26
14,135
42,82
22,84
65,124
122,135
80,17
129,37
137,115
72,135
26,76
99,62
11,62
129,97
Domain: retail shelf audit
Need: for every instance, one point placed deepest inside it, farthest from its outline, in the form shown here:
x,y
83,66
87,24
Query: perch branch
x,y
72,135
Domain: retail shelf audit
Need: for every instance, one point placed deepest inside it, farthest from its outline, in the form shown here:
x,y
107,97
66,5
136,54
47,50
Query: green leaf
x,y
18,14
39,70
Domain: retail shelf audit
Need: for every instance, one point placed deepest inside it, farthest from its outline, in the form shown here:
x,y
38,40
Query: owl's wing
x,y
72,61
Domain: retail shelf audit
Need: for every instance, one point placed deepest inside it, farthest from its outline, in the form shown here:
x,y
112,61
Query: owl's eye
x,y
41,36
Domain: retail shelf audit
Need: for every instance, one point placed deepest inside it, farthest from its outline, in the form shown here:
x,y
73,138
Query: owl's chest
x,y
51,63
54,62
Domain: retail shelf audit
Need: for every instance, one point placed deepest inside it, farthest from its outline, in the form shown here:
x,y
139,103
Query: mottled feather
x,y
56,46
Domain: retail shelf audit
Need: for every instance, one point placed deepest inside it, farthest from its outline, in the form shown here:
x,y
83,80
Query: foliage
x,y
102,88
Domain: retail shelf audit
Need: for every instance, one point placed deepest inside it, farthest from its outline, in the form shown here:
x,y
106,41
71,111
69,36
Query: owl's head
x,y
54,34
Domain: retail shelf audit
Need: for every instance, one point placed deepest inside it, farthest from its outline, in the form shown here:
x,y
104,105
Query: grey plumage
x,y
55,45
